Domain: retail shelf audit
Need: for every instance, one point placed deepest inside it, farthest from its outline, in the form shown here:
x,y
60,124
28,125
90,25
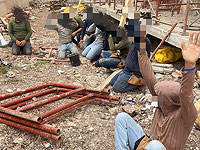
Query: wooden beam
x,y
107,81
78,7
123,19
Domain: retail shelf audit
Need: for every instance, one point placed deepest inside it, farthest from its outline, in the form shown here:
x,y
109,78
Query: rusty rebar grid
x,y
16,113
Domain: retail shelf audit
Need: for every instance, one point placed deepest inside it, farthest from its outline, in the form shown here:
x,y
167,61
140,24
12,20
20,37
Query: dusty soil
x,y
90,127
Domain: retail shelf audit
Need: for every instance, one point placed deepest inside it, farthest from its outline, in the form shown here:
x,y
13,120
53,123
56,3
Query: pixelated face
x,y
70,11
137,30
63,19
89,13
52,20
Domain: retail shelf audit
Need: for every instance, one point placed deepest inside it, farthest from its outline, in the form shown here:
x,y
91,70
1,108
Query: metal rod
x,y
20,104
111,99
157,9
17,101
95,94
30,117
174,4
43,127
109,2
186,16
194,21
29,129
179,7
56,60
75,87
53,111
49,100
64,112
6,96
123,3
163,22
164,39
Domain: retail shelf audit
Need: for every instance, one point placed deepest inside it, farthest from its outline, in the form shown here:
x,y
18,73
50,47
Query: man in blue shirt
x,y
88,22
90,37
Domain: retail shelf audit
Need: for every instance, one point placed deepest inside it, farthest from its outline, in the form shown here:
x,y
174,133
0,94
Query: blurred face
x,y
137,30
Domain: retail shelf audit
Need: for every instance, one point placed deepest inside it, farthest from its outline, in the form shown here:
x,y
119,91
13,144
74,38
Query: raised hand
x,y
191,52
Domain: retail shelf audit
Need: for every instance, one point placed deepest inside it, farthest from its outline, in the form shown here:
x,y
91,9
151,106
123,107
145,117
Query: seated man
x,y
118,52
64,28
20,32
175,114
77,31
93,51
88,22
122,82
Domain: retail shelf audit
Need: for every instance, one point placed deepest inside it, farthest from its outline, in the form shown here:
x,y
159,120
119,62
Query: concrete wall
x,y
6,5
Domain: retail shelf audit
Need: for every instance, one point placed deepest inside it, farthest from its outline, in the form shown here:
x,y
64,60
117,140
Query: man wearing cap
x,y
175,115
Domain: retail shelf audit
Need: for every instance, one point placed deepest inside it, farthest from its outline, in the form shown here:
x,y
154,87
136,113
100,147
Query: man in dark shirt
x,y
120,81
137,34
90,37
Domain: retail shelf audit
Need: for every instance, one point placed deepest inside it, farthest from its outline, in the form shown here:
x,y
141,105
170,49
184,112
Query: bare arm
x,y
147,71
9,16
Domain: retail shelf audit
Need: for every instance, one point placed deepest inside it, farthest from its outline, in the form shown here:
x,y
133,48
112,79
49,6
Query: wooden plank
x,y
123,19
162,65
107,81
162,70
78,7
4,21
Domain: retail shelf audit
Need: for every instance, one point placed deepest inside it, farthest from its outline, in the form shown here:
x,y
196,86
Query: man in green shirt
x,y
77,32
118,51
20,33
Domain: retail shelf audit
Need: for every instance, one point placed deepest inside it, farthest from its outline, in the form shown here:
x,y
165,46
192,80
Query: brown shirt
x,y
173,120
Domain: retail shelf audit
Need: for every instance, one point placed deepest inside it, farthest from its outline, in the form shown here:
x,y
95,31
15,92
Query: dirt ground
x,y
88,128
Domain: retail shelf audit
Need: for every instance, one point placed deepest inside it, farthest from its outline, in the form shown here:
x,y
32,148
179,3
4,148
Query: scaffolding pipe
x,y
174,4
29,129
6,96
19,105
186,16
48,59
49,100
31,124
164,39
53,111
17,101
157,8
114,4
95,95
20,114
64,112
76,87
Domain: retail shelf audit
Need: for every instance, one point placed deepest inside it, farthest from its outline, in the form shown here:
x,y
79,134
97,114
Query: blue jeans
x,y
66,47
108,62
127,132
89,41
92,52
26,49
120,83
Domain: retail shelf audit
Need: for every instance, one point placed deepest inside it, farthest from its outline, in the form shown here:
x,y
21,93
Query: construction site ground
x,y
88,128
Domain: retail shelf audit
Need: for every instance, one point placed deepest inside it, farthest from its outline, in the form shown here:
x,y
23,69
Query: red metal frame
x,y
16,113
178,4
